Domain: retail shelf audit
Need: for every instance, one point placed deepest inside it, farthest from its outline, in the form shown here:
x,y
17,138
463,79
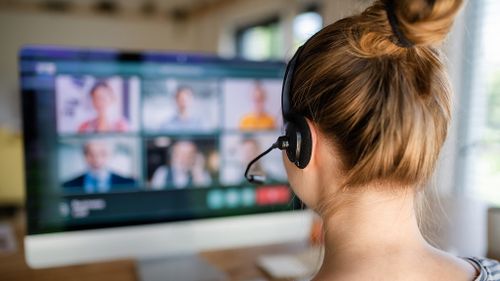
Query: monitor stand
x,y
179,268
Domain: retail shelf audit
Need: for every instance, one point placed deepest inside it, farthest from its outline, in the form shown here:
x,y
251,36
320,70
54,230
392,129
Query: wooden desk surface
x,y
238,264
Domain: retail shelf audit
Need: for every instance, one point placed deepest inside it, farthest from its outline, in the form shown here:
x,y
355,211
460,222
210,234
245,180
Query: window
x,y
261,41
305,25
480,144
265,40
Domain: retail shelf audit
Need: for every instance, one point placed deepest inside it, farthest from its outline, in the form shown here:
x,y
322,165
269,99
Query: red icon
x,y
272,195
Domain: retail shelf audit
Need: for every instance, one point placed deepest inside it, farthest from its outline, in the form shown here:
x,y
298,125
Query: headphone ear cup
x,y
299,136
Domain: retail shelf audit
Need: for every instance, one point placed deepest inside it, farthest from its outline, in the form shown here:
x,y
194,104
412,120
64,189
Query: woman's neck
x,y
370,225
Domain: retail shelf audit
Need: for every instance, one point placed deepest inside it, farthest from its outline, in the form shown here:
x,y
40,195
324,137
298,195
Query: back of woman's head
x,y
374,84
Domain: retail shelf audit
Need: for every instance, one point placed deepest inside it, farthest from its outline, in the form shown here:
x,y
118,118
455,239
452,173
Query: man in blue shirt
x,y
98,178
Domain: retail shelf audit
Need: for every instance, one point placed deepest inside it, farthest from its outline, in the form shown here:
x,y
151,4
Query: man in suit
x,y
98,178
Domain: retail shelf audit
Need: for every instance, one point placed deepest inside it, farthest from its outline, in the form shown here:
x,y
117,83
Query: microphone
x,y
281,143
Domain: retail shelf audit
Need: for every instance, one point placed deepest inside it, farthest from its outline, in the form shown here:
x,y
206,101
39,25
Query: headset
x,y
296,140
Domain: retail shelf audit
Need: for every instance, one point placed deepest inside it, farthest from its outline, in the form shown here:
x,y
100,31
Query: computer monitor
x,y
142,154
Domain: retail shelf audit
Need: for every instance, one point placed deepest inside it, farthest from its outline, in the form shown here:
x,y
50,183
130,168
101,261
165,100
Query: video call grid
x,y
143,136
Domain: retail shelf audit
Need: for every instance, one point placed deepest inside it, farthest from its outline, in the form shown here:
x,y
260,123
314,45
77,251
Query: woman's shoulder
x,y
489,270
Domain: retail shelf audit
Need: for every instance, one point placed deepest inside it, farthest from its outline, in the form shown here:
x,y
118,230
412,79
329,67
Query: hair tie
x,y
401,41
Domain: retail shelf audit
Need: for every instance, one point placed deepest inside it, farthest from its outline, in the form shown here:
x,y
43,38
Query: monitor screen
x,y
120,138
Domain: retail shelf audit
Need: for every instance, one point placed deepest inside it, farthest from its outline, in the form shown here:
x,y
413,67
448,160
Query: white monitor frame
x,y
165,239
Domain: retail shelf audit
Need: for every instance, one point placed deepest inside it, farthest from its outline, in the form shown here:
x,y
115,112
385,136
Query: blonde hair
x,y
385,107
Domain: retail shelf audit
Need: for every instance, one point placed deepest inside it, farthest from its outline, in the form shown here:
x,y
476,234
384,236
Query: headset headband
x,y
286,107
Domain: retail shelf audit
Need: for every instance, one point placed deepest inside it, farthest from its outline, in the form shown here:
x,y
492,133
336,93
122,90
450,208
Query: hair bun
x,y
425,22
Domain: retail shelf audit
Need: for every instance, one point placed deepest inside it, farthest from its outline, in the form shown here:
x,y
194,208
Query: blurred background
x,y
468,177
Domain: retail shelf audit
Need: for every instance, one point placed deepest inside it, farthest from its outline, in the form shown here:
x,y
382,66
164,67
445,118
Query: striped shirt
x,y
489,270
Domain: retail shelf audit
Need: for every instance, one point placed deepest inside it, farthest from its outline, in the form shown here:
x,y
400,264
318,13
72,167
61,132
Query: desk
x,y
238,264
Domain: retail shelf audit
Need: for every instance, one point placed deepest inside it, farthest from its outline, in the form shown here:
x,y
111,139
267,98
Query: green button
x,y
248,197
215,199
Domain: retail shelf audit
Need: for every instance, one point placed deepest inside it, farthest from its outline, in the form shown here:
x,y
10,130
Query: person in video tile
x,y
184,119
98,178
103,101
187,168
250,148
239,150
259,119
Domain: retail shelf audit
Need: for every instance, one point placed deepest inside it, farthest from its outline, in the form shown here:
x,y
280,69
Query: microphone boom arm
x,y
281,143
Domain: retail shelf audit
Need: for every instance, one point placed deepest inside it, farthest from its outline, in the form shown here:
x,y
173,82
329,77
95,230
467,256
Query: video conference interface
x,y
116,139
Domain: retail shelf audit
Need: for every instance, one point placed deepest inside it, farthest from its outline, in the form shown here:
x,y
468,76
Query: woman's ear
x,y
326,164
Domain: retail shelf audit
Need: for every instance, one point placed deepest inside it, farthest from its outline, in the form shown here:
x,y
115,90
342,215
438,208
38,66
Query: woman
x,y
103,101
377,101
